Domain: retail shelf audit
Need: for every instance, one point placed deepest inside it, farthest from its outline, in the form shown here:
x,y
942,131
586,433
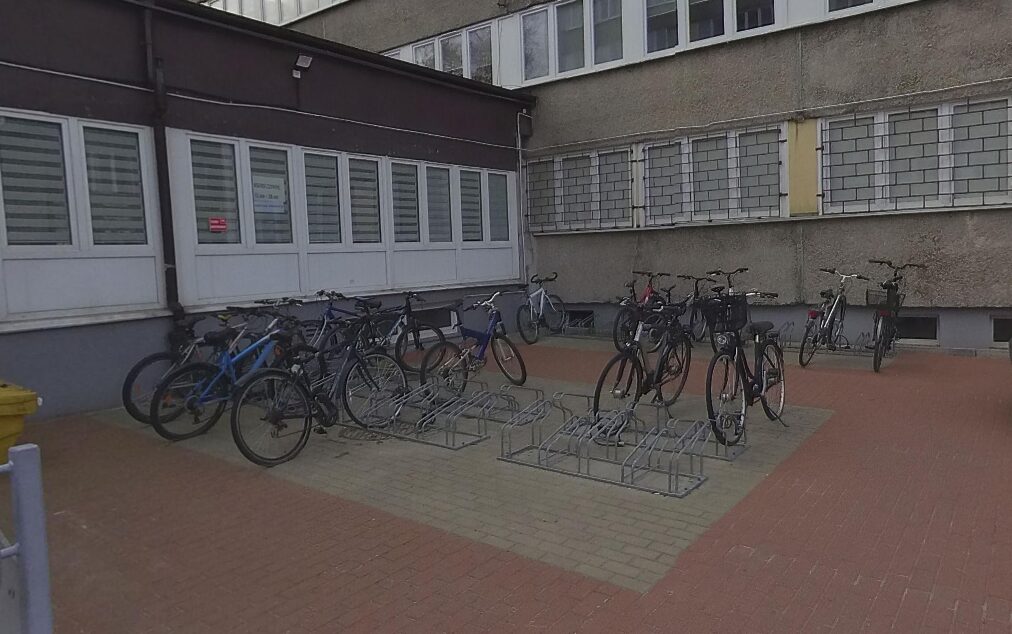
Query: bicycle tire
x,y
415,340
777,363
527,324
378,381
633,379
442,362
238,409
809,344
680,345
697,325
624,327
198,373
653,330
497,354
717,421
835,329
555,314
133,402
880,344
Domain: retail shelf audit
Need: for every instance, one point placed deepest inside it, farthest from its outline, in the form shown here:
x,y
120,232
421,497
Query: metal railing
x,y
30,551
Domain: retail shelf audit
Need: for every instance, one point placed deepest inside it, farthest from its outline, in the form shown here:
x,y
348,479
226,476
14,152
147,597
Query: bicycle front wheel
x,y
272,417
445,368
725,399
697,325
189,401
528,323
413,344
809,344
555,314
508,358
771,372
620,382
370,388
881,335
624,328
673,370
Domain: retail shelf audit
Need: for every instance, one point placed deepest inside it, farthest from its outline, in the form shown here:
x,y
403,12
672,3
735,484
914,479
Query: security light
x,y
303,62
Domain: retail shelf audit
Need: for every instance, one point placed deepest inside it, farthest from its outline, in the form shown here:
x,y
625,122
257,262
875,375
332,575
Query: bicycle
x,y
448,366
697,324
732,386
275,409
627,319
632,380
887,303
825,324
541,308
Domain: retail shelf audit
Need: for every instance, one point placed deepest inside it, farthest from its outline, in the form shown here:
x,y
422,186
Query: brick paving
x,y
894,514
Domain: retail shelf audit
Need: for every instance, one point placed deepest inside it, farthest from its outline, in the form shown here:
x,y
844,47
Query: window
x,y
115,190
836,5
759,173
541,202
710,193
498,208
921,328
215,193
662,25
272,207
479,49
437,186
614,188
577,197
706,19
913,156
425,55
607,30
753,14
404,182
452,52
535,28
34,182
849,155
323,199
569,23
665,184
470,206
1001,329
363,184
980,156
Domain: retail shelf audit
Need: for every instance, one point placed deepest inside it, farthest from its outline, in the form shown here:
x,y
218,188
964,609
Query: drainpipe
x,y
156,81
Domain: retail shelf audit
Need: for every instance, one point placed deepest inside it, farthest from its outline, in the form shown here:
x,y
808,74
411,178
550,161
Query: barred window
x,y
710,194
665,184
759,173
980,152
577,196
913,156
615,189
849,156
541,199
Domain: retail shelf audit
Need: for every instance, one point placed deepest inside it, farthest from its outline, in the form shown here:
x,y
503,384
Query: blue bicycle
x,y
448,366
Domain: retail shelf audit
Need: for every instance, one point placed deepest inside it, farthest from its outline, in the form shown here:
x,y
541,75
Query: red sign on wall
x,y
217,224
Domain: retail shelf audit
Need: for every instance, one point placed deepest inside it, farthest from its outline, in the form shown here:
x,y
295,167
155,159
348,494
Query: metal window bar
x,y
581,192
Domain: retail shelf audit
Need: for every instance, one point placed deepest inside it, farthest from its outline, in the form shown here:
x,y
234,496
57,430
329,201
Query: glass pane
x,y
323,199
753,14
479,46
662,25
836,5
498,208
272,208
710,192
438,197
452,52
569,19
607,30
404,180
365,209
706,19
535,45
34,182
470,206
215,193
913,157
115,191
425,55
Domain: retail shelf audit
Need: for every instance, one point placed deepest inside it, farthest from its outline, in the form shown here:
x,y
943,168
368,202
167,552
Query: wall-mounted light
x,y
302,63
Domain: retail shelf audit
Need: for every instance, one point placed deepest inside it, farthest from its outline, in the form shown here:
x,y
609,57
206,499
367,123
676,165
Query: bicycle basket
x,y
727,313
879,299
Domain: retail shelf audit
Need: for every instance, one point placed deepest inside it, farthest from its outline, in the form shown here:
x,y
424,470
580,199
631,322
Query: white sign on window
x,y
269,194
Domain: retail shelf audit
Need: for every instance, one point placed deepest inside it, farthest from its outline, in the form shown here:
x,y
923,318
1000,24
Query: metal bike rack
x,y
710,447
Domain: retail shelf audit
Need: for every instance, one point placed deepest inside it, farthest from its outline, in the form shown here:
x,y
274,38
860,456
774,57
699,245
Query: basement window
x,y
918,328
1001,329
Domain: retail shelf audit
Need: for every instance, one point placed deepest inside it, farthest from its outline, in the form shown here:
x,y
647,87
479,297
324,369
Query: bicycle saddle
x,y
758,327
221,337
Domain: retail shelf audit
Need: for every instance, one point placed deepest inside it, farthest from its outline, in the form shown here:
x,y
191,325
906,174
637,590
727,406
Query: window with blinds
x,y
215,193
363,185
34,182
470,206
498,208
437,191
272,207
323,199
115,189
404,182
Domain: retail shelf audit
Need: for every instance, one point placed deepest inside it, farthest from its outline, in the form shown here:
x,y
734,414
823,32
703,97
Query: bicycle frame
x,y
227,364
483,338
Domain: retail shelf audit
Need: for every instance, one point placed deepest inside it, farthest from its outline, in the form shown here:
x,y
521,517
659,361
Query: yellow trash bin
x,y
15,403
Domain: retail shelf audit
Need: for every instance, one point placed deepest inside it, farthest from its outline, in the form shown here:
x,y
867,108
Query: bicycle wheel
x,y
771,371
555,314
835,329
412,344
189,401
809,344
446,368
508,358
880,343
272,417
653,331
370,387
697,325
624,328
141,382
620,380
527,323
673,369
725,399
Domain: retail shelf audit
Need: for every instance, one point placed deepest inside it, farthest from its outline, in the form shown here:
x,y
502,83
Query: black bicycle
x,y
631,312
887,303
697,323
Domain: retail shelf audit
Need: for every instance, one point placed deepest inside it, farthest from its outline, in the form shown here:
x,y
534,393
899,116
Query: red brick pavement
x,y
896,514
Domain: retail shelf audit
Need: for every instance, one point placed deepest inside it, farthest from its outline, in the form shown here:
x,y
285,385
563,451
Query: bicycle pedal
x,y
319,430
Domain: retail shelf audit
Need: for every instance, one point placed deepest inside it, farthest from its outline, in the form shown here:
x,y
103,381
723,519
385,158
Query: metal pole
x,y
30,527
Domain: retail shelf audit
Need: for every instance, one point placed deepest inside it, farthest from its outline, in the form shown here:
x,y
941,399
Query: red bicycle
x,y
634,307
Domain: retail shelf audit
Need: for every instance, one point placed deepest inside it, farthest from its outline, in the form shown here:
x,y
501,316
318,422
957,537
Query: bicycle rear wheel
x,y
370,387
272,417
624,328
528,323
413,344
620,381
189,401
143,379
725,399
555,314
673,369
809,344
508,358
881,335
771,372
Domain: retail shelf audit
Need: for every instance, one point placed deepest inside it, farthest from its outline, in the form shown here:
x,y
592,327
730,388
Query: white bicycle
x,y
540,309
